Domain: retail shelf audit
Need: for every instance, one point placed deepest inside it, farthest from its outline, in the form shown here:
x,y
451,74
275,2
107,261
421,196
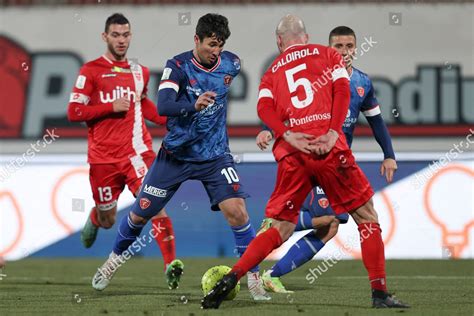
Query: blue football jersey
x,y
199,136
362,100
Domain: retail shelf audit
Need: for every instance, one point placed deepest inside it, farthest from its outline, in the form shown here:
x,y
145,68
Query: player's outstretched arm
x,y
263,139
78,112
150,112
382,136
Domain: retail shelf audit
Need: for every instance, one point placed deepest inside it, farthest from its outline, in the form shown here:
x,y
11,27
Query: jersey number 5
x,y
293,85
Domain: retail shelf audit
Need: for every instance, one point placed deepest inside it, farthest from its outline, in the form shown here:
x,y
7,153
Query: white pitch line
x,y
424,277
52,279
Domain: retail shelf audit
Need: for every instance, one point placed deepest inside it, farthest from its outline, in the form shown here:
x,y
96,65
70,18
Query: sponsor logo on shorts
x,y
107,207
144,203
323,202
155,191
319,190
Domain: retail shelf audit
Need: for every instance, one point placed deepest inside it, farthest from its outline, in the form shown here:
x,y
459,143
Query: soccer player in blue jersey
x,y
316,212
193,95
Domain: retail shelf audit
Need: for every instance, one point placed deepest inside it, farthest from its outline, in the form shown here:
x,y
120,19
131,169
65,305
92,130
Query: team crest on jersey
x,y
141,171
360,91
227,80
144,203
236,187
323,202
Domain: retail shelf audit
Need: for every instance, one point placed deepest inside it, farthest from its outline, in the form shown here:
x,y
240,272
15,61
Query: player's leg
x,y
373,256
135,169
316,213
107,184
315,206
292,186
222,184
349,190
301,252
160,183
235,212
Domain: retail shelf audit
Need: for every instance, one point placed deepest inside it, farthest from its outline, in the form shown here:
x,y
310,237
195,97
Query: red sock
x,y
373,254
93,216
164,236
258,249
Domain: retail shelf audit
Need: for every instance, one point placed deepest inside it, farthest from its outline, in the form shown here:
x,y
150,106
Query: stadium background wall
x,y
425,85
423,214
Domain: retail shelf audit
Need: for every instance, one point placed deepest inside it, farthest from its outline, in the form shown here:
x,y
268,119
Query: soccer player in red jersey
x,y
304,97
110,95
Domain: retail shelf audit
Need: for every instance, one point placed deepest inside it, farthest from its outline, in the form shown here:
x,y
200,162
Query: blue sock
x,y
243,236
304,221
300,253
127,233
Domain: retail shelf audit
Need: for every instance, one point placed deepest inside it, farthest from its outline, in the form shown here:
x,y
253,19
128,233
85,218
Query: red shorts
x,y
109,180
337,173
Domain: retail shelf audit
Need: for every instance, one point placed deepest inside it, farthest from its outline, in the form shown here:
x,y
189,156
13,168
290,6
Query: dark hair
x,y
116,18
341,30
213,24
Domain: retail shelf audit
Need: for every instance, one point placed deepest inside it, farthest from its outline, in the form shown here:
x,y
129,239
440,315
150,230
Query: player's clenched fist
x,y
324,143
121,105
300,141
263,139
206,99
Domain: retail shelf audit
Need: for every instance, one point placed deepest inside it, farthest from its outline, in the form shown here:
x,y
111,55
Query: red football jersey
x,y
114,136
299,87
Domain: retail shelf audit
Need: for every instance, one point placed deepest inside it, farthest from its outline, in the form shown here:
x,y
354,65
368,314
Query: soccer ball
x,y
212,276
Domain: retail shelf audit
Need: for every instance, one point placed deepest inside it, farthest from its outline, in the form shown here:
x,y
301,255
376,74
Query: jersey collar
x,y
198,65
291,46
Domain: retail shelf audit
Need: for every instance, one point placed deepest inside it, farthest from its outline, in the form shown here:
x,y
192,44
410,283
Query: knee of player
x,y
236,214
107,223
136,219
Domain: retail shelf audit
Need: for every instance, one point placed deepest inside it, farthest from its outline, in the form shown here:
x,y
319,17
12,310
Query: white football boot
x,y
255,286
106,272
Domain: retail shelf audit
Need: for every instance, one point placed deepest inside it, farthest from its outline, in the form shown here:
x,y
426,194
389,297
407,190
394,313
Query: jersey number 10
x,y
230,175
293,85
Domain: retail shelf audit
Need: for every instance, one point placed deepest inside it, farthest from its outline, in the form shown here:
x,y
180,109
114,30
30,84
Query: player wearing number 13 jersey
x,y
110,97
304,97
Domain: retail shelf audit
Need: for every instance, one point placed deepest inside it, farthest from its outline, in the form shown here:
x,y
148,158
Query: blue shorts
x,y
166,174
317,204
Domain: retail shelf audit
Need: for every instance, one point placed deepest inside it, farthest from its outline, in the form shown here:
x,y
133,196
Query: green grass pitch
x,y
62,287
